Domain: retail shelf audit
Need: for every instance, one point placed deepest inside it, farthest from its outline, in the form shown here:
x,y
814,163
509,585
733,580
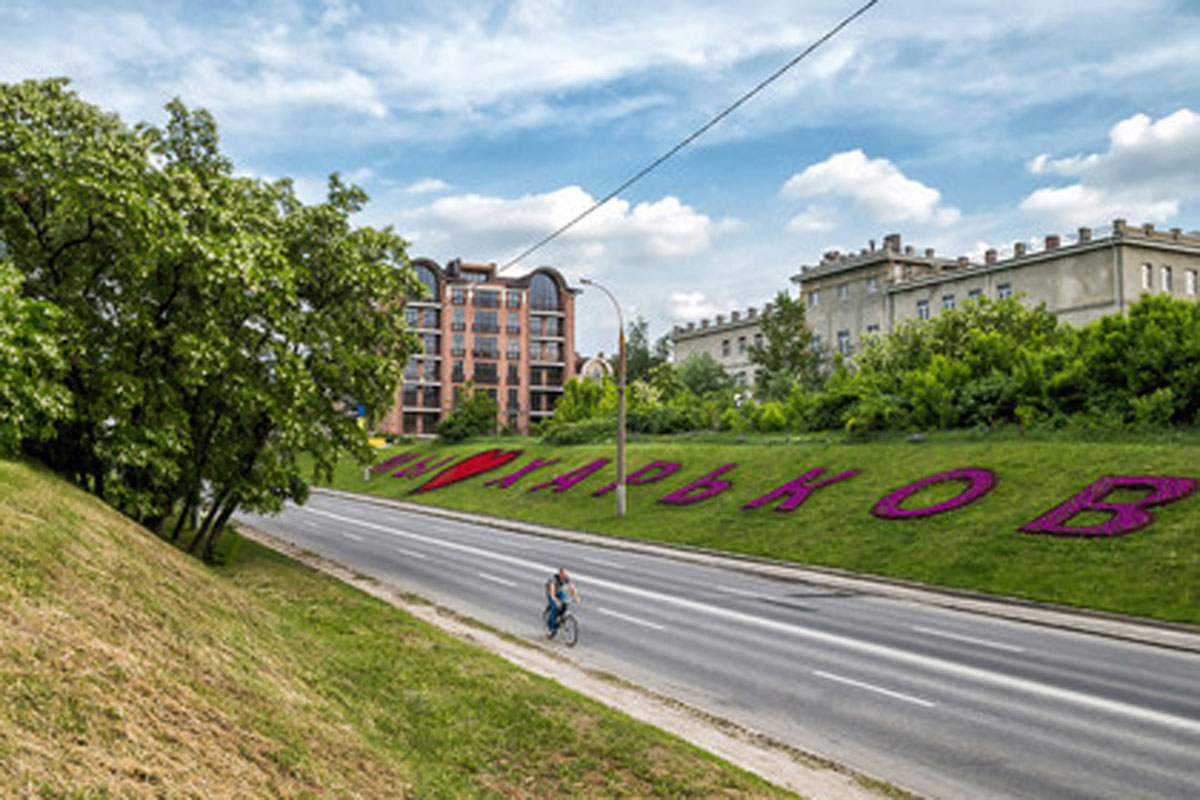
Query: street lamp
x,y
620,397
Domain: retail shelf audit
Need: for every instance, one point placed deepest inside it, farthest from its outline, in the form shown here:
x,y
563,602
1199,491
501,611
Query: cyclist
x,y
556,595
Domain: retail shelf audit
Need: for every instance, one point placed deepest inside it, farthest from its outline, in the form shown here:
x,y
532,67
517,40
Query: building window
x,y
873,284
922,309
514,348
432,343
460,320
458,297
431,397
428,279
513,402
1004,291
486,373
543,293
513,299
758,340
741,344
816,344
486,347
514,375
1166,280
486,298
412,316
843,291
1147,277
948,302
975,294
725,348
1190,282
872,329
514,323
486,322
843,342
459,348
814,299
456,374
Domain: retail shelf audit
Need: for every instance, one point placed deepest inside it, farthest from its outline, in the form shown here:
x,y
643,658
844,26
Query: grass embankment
x,y
1153,572
129,670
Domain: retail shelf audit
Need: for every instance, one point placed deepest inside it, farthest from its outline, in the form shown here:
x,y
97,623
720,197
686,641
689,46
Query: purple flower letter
x,y
699,489
799,490
421,467
654,471
1125,517
564,482
394,461
981,482
509,480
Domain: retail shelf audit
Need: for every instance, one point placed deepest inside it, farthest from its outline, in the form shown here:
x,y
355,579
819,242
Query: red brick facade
x,y
515,337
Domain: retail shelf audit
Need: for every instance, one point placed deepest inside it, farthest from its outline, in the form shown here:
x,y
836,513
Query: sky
x,y
479,127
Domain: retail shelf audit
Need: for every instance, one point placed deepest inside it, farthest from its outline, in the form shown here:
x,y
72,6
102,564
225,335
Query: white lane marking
x,y
870,687
836,640
353,536
958,637
410,553
602,563
738,592
634,620
494,579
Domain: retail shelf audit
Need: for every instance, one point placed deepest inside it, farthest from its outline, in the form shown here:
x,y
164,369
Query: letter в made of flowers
x,y
477,464
564,482
394,461
700,489
799,490
1125,517
980,483
508,480
652,472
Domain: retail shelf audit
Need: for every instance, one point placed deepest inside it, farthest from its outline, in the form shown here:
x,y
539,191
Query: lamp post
x,y
620,397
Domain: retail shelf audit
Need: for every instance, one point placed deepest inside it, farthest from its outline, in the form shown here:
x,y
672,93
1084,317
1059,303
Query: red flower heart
x,y
476,464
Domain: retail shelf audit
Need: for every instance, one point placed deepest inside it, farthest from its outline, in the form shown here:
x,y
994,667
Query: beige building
x,y
848,296
726,339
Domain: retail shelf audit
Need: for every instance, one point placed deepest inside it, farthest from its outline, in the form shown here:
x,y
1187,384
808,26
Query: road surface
x,y
943,703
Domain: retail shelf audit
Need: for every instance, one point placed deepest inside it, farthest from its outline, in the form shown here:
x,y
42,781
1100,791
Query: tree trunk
x,y
210,548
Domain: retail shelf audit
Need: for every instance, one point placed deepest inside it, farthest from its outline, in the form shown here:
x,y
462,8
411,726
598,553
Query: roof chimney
x,y
1018,249
963,261
1085,234
989,256
929,251
1119,226
1053,240
892,242
734,316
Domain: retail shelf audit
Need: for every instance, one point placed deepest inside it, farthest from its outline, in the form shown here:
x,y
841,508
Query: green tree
x,y
474,414
703,375
787,356
640,358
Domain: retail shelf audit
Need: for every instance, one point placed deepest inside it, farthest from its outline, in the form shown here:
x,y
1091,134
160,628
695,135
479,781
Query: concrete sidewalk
x,y
1161,634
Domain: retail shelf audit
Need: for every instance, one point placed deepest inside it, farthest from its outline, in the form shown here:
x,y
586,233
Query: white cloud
x,y
814,219
875,186
1148,171
426,186
692,306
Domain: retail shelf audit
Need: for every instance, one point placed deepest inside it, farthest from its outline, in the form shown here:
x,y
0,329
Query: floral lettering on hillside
x,y
980,482
1124,517
468,468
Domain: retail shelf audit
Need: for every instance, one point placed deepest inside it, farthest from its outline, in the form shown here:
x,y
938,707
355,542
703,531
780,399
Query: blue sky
x,y
478,127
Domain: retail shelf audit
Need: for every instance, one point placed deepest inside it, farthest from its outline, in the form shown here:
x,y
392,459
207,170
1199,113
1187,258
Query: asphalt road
x,y
943,703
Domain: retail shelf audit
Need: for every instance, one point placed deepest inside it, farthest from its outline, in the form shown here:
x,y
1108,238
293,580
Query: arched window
x,y
543,293
427,276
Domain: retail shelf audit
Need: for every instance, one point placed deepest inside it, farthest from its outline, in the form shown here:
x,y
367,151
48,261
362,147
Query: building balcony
x,y
458,326
484,327
489,354
487,380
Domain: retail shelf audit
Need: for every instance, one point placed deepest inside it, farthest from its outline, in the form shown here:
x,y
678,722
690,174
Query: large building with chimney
x,y
514,337
848,296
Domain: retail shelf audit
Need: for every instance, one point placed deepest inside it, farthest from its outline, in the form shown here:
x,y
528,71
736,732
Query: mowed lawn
x,y
128,669
1151,572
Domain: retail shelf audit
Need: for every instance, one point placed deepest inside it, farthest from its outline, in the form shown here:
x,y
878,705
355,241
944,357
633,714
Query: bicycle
x,y
567,626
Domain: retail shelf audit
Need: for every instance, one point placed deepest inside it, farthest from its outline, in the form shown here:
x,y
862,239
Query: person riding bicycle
x,y
556,596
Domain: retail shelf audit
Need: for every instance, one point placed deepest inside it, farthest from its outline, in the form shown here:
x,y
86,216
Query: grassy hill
x,y
1151,572
129,670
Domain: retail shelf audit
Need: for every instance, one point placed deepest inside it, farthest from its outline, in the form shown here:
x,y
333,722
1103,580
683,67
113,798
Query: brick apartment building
x,y
514,337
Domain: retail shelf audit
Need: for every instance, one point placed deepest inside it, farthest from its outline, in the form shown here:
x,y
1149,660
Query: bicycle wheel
x,y
570,630
546,624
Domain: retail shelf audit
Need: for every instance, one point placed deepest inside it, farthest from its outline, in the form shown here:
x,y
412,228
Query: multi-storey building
x,y
849,296
514,337
728,340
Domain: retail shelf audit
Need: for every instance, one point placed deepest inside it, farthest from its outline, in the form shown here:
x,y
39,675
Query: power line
x,y
834,31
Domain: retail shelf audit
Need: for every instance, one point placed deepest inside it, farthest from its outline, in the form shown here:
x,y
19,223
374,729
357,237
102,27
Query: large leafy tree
x,y
787,356
211,328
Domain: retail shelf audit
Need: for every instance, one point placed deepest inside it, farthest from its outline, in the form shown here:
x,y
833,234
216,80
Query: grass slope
x,y
1153,572
129,670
